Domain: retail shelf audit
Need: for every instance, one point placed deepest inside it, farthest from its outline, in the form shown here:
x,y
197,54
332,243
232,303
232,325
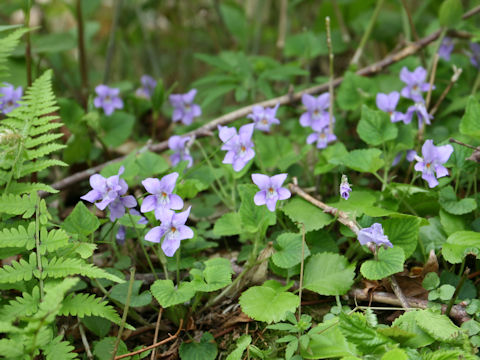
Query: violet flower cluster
x,y
271,190
184,110
239,146
108,192
374,235
179,145
147,88
263,118
9,97
108,99
317,118
431,165
162,201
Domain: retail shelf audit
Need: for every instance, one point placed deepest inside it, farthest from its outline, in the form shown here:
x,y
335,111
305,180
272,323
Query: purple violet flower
x,y
143,220
316,110
181,151
147,88
421,111
475,54
184,108
345,188
239,147
388,103
373,235
264,117
322,135
432,163
162,199
415,82
173,229
271,190
109,191
411,155
9,97
446,48
107,99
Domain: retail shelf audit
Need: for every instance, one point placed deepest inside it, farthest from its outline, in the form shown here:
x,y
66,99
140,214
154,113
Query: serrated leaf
x,y
242,344
407,322
351,90
253,217
438,326
395,354
402,231
364,160
216,275
137,299
81,221
289,250
302,212
229,224
328,274
167,295
461,244
431,281
263,303
390,261
206,349
448,201
375,127
470,123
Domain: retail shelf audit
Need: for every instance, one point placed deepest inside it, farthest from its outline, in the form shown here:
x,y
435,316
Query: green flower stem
x,y
300,285
162,258
457,290
125,312
222,194
140,240
178,266
386,169
108,231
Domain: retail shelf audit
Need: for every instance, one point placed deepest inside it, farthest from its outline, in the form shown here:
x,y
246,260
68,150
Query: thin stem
x,y
140,240
398,292
436,57
476,84
178,266
366,35
111,40
282,25
86,345
82,54
300,285
108,231
341,22
413,30
28,48
331,75
155,337
37,245
162,258
125,312
456,74
457,291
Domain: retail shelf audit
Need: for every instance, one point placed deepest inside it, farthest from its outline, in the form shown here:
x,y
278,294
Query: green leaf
x,y
451,223
357,331
389,262
189,188
450,13
461,244
470,123
274,151
216,275
395,354
137,299
18,271
242,343
408,322
448,201
206,349
402,231
58,349
438,326
431,281
446,292
81,221
97,325
167,295
327,341
158,96
150,164
253,217
236,22
353,88
328,274
289,252
103,349
364,160
302,212
263,303
375,127
118,128
229,224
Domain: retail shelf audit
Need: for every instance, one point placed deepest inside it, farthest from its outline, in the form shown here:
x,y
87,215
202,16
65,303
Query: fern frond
x,y
11,349
42,139
44,128
61,267
22,306
18,271
18,205
39,165
52,240
85,305
17,237
20,188
7,44
58,349
44,150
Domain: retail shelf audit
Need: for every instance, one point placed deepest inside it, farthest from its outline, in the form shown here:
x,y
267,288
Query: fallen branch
x,y
164,341
457,313
290,97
